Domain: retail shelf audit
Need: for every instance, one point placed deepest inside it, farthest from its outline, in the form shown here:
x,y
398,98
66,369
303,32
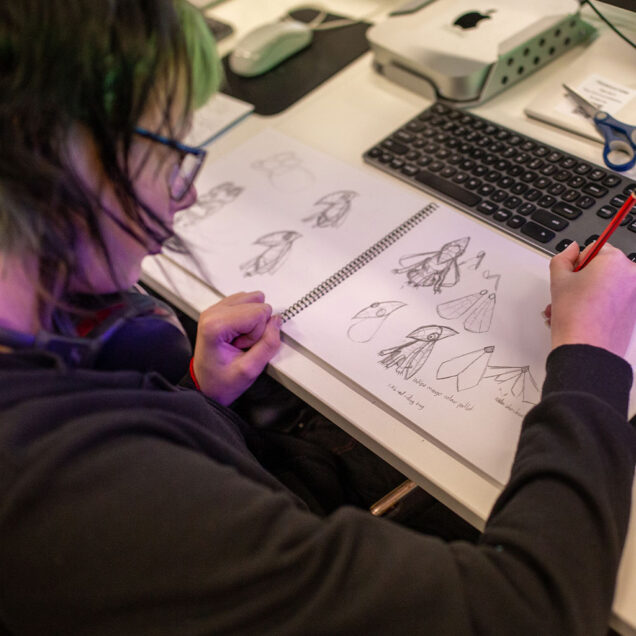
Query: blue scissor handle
x,y
619,137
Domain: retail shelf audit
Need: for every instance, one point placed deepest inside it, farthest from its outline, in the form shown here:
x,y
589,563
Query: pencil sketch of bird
x,y
208,203
332,209
278,245
368,321
409,357
434,269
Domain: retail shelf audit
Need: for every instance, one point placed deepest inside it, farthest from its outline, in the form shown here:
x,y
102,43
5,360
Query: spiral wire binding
x,y
357,263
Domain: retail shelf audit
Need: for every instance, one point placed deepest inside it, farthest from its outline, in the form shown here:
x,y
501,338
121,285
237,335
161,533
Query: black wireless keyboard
x,y
542,195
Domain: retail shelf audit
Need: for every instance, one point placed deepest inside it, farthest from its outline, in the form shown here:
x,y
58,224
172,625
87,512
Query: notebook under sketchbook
x,y
416,304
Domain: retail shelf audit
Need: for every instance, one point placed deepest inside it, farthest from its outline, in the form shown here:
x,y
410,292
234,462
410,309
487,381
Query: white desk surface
x,y
344,117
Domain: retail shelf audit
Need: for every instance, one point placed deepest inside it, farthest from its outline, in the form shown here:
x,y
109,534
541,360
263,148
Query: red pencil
x,y
616,220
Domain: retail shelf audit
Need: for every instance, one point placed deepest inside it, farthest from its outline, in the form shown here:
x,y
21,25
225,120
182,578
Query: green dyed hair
x,y
101,64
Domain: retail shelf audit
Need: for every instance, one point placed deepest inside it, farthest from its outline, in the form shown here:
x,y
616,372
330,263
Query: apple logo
x,y
471,19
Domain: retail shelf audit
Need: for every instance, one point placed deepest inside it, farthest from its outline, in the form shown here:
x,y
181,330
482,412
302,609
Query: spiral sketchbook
x,y
416,304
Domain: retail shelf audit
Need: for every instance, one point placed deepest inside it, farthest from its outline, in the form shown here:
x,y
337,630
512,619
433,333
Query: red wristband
x,y
194,377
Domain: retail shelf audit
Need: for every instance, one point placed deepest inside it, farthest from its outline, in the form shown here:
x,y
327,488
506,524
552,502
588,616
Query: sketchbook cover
x,y
417,304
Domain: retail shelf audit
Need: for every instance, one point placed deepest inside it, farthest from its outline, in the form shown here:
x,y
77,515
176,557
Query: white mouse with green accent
x,y
267,46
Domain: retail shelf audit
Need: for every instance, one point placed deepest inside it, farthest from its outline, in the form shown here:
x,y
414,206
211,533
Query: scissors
x,y
620,138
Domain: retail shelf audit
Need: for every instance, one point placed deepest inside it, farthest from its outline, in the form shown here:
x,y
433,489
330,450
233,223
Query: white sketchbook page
x,y
475,386
279,216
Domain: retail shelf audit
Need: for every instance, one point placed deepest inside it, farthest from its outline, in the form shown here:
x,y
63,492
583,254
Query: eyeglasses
x,y
191,159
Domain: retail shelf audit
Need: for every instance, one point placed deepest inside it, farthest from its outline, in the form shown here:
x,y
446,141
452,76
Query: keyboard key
x,y
506,182
448,172
612,180
554,156
533,195
627,220
537,232
566,210
563,244
542,183
577,181
516,222
448,188
570,196
549,170
546,201
396,164
596,175
410,170
486,190
568,163
500,196
595,190
502,215
395,147
486,207
632,257
556,189
550,220
618,200
582,169
607,212
460,177
512,202
528,176
404,136
591,239
585,202
526,208
435,166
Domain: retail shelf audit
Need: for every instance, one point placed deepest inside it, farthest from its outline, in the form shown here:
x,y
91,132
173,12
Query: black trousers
x,y
327,468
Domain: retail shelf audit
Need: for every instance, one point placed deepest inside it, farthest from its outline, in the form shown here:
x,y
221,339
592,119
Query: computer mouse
x,y
267,46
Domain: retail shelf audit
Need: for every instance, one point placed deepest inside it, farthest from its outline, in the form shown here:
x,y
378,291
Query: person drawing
x,y
131,505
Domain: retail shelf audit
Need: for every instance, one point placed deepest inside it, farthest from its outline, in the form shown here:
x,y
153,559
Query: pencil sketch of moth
x,y
470,369
278,246
408,358
367,321
332,209
285,171
479,307
434,269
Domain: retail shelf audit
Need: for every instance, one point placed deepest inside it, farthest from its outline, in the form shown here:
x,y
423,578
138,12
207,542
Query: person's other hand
x,y
236,338
596,305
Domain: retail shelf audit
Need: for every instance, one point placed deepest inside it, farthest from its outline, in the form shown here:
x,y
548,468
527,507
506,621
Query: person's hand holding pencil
x,y
595,305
